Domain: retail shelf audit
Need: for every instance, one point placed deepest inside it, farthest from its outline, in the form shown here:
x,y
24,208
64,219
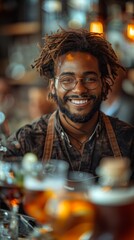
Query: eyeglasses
x,y
69,82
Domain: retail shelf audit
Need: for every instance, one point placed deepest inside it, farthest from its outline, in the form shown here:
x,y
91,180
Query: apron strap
x,y
112,137
49,139
51,133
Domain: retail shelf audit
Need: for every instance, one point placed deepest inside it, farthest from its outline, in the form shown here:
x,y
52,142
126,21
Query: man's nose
x,y
79,87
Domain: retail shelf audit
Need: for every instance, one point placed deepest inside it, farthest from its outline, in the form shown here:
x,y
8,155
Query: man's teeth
x,y
79,101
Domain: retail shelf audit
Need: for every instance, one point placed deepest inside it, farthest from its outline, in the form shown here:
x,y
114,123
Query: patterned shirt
x,y
31,138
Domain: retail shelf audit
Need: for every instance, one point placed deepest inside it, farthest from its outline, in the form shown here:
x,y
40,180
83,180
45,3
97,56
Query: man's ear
x,y
52,86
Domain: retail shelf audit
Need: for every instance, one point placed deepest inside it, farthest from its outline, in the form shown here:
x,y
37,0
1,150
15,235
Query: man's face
x,y
82,101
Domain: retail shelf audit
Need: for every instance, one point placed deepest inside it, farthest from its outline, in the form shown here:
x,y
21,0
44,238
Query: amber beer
x,y
41,184
34,204
114,213
70,211
36,195
71,215
34,201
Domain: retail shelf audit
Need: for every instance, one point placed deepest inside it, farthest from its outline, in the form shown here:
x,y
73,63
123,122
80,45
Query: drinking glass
x,y
8,225
114,212
11,183
70,211
39,186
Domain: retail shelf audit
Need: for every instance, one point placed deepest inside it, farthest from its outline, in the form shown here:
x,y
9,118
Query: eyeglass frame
x,y
83,79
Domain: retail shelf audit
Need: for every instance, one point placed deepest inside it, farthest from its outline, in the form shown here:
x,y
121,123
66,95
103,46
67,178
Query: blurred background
x,y
23,23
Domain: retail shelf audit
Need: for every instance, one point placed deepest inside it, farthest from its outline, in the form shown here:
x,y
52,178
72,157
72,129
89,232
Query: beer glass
x,y
39,186
114,212
70,211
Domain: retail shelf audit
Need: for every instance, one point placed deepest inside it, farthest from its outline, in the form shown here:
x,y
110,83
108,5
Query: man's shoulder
x,y
117,121
120,126
29,136
45,118
40,123
37,126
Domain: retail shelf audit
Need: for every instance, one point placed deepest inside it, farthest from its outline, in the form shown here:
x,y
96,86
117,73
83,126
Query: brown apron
x,y
51,135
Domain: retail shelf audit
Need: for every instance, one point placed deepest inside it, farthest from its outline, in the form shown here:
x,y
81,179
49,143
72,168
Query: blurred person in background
x,y
6,104
128,83
119,103
38,103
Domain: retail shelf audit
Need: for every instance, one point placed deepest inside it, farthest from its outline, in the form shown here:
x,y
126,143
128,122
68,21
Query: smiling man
x,y
81,67
77,87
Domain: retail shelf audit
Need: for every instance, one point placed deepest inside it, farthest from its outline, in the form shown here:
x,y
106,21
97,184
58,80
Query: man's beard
x,y
75,117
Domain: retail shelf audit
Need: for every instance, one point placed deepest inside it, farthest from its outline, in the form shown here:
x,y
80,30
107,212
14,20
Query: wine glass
x,y
39,186
70,212
11,183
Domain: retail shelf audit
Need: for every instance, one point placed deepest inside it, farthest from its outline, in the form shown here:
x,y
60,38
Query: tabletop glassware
x,y
39,186
70,212
114,212
11,183
113,200
8,225
11,187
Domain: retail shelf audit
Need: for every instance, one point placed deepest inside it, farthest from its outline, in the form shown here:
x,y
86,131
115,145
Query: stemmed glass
x,y
40,185
70,212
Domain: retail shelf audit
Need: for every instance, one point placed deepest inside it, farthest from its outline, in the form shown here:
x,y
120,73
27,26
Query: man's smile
x,y
78,102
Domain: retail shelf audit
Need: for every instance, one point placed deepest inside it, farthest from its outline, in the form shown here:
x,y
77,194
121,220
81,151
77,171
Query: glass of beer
x,y
114,212
40,185
70,211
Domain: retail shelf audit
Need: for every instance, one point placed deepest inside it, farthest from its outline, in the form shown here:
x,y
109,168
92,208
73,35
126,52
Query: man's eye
x,y
67,80
91,79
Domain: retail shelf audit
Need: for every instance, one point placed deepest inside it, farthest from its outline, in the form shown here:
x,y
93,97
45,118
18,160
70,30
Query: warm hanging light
x,y
130,31
96,26
130,25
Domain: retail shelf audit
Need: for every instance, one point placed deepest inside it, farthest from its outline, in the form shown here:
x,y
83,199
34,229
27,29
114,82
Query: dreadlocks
x,y
64,41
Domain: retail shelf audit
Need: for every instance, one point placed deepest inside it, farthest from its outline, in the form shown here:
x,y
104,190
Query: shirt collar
x,y
64,135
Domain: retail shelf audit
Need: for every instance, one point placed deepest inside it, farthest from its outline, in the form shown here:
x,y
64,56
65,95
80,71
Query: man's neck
x,y
79,129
